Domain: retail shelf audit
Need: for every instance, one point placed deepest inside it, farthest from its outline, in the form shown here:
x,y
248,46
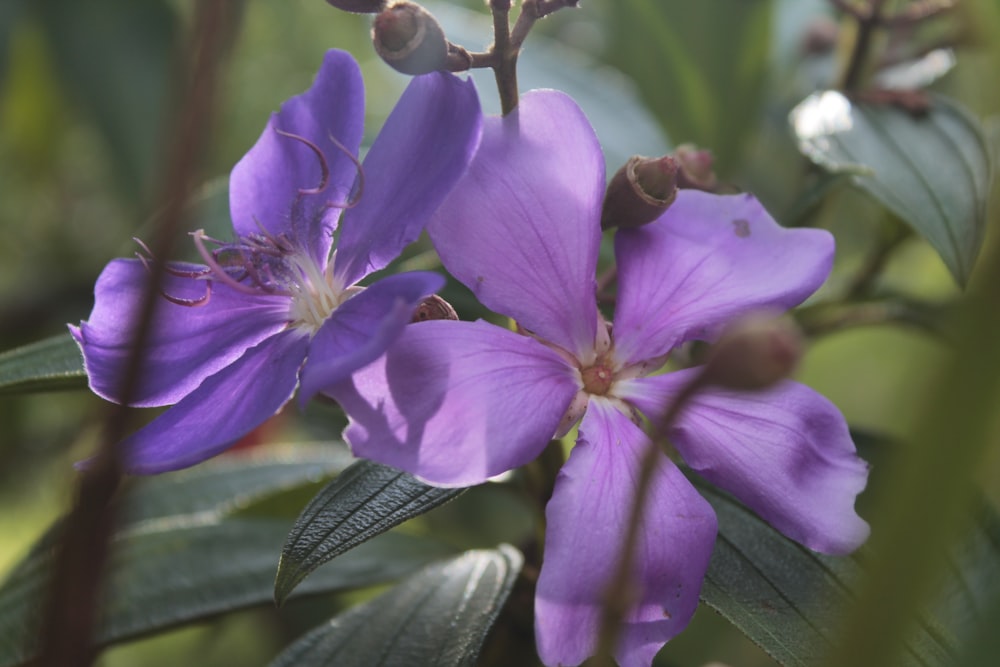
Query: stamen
x,y
219,273
193,303
268,243
145,248
179,273
356,192
325,170
190,303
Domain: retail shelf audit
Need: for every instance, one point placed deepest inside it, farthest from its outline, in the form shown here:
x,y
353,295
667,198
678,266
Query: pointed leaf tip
x,y
366,500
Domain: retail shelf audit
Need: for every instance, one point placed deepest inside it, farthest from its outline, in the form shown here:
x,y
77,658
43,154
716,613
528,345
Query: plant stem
x,y
823,319
71,609
505,56
867,22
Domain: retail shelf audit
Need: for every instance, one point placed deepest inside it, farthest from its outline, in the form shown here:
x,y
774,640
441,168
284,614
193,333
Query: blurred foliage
x,y
86,93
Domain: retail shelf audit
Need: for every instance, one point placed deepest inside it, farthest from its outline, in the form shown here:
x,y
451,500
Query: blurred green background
x,y
86,100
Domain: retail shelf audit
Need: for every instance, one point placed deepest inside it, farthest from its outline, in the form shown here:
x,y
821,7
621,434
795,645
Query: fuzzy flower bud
x,y
434,308
359,6
754,353
695,171
409,39
640,192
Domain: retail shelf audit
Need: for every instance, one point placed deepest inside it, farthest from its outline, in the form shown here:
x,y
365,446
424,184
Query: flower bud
x,y
754,353
695,171
434,308
359,6
820,37
639,192
409,39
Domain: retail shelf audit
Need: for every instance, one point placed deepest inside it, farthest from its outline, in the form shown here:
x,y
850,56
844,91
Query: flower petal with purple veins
x,y
223,409
706,261
421,151
186,344
785,452
271,186
587,520
455,403
521,230
360,330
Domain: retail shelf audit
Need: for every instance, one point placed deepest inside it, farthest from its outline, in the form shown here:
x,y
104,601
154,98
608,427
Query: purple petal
x,y
522,229
226,407
457,402
272,185
786,453
186,344
361,329
709,259
421,152
587,523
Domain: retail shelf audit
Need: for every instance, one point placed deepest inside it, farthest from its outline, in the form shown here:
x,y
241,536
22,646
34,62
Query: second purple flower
x,y
457,402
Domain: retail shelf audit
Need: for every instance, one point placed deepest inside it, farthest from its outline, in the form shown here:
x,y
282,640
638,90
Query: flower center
x,y
270,265
597,379
315,293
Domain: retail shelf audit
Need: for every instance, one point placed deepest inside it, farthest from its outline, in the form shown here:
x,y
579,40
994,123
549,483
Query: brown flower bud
x,y
434,308
359,6
695,168
639,192
754,353
820,37
409,39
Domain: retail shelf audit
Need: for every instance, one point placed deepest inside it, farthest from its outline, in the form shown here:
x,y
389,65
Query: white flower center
x,y
315,293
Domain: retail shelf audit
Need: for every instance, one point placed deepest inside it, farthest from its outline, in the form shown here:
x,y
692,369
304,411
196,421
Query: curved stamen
x,y
268,243
144,247
200,273
190,303
168,268
218,271
179,273
355,195
325,170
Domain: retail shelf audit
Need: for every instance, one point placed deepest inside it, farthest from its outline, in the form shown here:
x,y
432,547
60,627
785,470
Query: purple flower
x,y
457,402
232,338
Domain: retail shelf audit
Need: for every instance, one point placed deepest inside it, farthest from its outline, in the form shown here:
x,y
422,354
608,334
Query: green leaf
x,y
366,500
700,66
438,616
50,364
790,601
186,552
933,171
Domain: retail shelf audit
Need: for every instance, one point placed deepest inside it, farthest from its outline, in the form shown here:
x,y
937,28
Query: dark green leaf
x,y
230,483
182,554
933,170
438,616
53,363
790,600
180,569
366,500
221,486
